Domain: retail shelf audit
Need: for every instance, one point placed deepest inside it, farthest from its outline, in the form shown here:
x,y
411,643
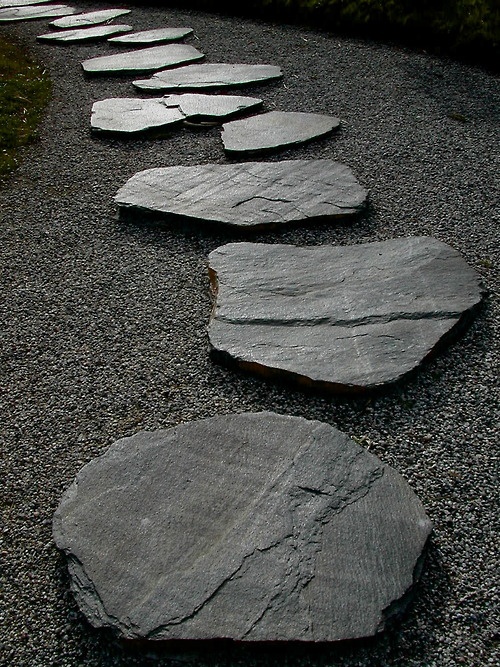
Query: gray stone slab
x,y
142,60
129,115
251,195
154,36
274,130
209,75
22,3
34,12
255,527
95,33
90,18
338,318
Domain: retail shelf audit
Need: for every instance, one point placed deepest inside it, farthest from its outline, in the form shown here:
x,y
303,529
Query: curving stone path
x,y
90,18
257,527
34,12
84,34
142,60
152,36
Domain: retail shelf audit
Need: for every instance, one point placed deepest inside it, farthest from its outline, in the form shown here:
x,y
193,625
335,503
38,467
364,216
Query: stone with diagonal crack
x,y
274,130
209,75
130,115
256,527
90,18
34,12
142,60
338,318
251,195
84,34
152,36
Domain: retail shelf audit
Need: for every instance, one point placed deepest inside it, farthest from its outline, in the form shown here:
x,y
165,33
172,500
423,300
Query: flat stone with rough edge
x,y
142,60
84,34
34,12
251,195
254,527
90,18
338,318
22,3
274,130
130,115
152,36
210,75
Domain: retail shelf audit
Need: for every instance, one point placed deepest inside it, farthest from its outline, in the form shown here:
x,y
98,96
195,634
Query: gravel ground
x,y
104,327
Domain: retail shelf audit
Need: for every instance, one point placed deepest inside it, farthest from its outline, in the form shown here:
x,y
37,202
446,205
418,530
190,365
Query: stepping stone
x,y
251,195
274,130
152,36
90,18
142,60
84,34
255,527
130,115
34,12
209,75
338,318
21,3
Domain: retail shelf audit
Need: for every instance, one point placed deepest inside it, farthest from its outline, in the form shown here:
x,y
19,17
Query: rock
x,y
142,60
255,527
90,18
22,3
275,129
34,12
209,75
152,36
84,34
138,115
251,195
338,318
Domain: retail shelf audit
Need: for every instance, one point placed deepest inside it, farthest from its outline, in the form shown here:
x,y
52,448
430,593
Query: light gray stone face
x,y
251,195
338,318
85,34
142,60
256,527
22,3
90,18
209,75
152,36
34,12
274,130
128,115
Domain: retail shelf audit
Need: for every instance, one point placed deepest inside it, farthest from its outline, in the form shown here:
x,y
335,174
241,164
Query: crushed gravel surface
x,y
104,326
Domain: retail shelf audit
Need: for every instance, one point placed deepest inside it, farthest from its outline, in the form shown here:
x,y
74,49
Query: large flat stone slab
x,y
90,18
209,75
338,318
130,115
142,60
255,527
93,34
154,36
34,12
274,130
251,195
22,3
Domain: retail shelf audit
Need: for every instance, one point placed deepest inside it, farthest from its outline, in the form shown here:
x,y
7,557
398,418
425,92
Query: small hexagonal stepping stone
x,y
95,33
256,527
130,115
34,12
154,36
210,75
22,3
251,195
142,60
338,318
90,18
274,130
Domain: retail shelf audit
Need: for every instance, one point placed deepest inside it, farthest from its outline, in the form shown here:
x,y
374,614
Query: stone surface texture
x,y
84,34
152,36
143,60
22,3
209,75
254,527
250,195
90,18
34,12
341,318
274,130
